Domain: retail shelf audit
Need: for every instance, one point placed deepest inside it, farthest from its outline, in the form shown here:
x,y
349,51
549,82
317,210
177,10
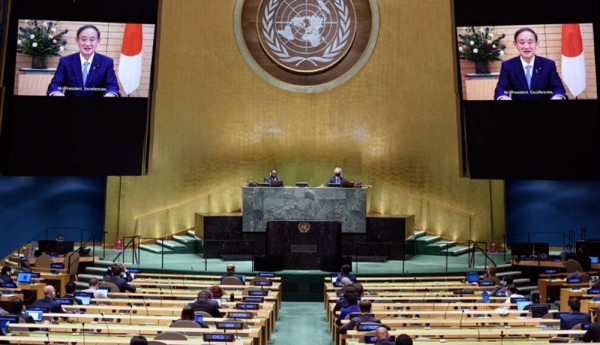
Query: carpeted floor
x,y
301,323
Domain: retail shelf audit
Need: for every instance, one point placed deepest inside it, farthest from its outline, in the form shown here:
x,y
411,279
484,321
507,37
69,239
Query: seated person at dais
x,y
273,177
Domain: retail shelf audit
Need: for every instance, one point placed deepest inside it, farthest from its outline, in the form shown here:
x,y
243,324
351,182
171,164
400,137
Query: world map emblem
x,y
306,45
306,36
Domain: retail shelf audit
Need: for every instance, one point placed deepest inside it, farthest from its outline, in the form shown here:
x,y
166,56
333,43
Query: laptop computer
x,y
85,297
276,183
24,278
334,185
348,184
594,259
36,312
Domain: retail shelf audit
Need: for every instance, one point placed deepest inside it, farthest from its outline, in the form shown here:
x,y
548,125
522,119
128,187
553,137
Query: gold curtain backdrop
x,y
218,124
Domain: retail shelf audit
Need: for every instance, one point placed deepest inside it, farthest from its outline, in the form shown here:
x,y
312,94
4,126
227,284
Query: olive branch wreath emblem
x,y
333,50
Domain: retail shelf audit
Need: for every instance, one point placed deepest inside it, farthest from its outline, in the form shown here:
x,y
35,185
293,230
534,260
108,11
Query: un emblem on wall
x,y
306,36
304,227
306,45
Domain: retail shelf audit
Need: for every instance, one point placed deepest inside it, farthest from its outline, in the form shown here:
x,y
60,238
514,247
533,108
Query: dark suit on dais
x,y
545,81
68,78
336,179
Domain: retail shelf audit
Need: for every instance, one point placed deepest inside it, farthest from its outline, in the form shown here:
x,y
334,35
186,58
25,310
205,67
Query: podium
x,y
305,244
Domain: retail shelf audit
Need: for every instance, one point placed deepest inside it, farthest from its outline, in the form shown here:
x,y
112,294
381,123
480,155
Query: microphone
x,y
414,283
446,312
47,342
425,295
183,276
130,312
146,305
478,333
83,331
461,317
105,324
435,300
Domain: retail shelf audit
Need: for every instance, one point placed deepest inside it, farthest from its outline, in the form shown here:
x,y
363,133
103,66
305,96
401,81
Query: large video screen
x,y
527,86
78,87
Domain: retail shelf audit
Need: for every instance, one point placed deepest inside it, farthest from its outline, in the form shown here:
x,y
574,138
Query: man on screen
x,y
87,73
528,76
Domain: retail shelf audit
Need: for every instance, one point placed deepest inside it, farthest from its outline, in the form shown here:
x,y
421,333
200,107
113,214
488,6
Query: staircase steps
x,y
457,250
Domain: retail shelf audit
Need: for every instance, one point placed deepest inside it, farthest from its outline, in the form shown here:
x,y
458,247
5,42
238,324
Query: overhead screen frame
x,y
76,136
536,140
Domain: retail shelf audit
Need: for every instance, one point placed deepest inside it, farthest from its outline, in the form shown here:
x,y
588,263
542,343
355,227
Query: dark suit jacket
x,y
357,320
211,308
572,319
592,334
54,306
545,81
101,75
122,284
333,179
270,179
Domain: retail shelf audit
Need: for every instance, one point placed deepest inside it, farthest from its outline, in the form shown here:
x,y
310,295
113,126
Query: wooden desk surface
x,y
36,338
115,329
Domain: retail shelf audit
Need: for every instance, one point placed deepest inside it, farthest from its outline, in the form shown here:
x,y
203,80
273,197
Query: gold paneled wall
x,y
217,124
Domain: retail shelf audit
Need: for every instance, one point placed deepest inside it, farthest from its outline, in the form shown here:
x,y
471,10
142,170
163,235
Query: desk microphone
x,y
446,312
461,318
130,312
146,305
47,342
83,331
435,300
414,283
105,324
183,276
478,333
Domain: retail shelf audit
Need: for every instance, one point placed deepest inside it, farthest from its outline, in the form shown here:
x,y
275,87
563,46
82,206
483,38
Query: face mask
x,y
338,174
568,251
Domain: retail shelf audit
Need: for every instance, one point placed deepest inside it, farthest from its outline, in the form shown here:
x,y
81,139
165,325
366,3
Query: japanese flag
x,y
130,64
573,60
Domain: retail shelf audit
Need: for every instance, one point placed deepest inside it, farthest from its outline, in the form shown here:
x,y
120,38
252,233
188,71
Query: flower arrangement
x,y
41,39
480,45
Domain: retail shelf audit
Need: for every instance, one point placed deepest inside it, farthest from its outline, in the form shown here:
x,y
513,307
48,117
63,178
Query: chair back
x,y
231,281
43,260
246,291
72,263
187,324
170,336
573,265
203,313
111,286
